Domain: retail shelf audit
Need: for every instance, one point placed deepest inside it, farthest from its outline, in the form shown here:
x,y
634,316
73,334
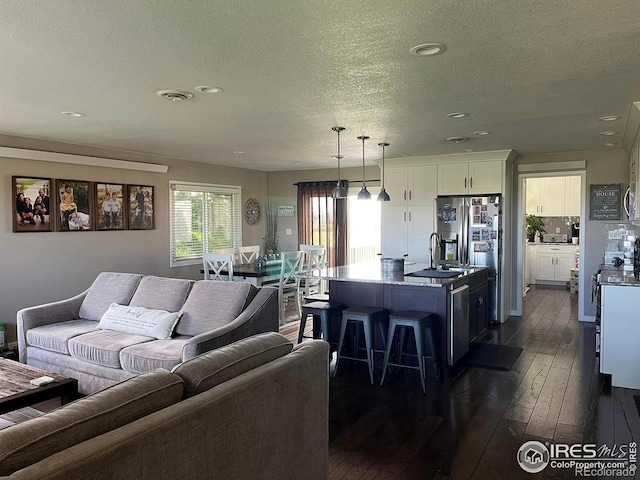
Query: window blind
x,y
203,218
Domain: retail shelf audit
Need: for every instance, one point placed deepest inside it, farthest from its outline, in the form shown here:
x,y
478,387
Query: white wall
x,y
40,267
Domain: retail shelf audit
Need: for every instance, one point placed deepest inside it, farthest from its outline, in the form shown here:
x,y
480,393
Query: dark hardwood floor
x,y
471,423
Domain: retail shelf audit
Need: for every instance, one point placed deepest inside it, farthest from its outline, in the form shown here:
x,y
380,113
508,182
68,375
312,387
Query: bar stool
x,y
423,326
368,317
322,313
316,297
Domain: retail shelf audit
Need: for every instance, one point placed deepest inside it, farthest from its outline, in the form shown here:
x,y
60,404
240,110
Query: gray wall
x,y
41,267
603,166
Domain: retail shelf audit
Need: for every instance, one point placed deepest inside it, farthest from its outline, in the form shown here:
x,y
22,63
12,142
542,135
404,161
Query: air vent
x,y
174,95
457,139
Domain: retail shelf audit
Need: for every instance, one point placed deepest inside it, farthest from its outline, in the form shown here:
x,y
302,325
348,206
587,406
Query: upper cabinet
x,y
412,185
473,178
553,196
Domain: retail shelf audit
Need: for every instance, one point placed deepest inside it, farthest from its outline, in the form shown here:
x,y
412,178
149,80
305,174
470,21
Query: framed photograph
x,y
140,207
109,207
32,204
74,203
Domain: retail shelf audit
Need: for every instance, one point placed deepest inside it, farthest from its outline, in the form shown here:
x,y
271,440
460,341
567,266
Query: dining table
x,y
257,275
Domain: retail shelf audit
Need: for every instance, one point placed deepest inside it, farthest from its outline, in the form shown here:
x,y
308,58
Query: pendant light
x,y
339,191
383,196
364,193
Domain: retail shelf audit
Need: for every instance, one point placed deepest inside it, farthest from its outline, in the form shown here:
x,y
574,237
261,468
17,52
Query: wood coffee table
x,y
16,391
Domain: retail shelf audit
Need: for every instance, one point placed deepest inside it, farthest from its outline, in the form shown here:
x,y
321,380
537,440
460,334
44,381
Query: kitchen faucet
x,y
433,249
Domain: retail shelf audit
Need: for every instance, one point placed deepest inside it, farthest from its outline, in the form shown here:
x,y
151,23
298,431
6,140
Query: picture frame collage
x,y
60,205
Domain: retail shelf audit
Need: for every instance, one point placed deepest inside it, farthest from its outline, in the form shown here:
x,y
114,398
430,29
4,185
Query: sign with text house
x,y
605,202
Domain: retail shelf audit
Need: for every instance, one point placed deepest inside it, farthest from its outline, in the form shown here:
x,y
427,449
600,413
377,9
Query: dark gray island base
x,y
458,305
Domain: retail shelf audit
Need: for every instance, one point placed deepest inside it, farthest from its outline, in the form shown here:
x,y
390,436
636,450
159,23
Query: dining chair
x,y
249,254
289,284
314,259
215,263
226,251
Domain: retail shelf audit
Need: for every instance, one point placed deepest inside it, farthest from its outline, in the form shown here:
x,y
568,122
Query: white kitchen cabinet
x,y
406,230
572,192
530,264
473,178
552,263
412,185
619,332
553,196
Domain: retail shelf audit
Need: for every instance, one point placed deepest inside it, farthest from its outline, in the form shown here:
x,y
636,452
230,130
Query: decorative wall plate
x,y
252,211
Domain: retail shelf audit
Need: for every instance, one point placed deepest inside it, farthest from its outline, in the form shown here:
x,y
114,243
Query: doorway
x,y
557,201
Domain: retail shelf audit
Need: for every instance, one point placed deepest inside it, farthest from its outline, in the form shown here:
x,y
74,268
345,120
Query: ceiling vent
x,y
456,139
175,95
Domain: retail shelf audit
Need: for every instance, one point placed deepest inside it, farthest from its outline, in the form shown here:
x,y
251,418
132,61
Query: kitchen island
x,y
619,326
458,303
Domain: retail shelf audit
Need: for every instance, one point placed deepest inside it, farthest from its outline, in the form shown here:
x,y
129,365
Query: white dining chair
x,y
249,254
215,263
289,284
227,251
314,259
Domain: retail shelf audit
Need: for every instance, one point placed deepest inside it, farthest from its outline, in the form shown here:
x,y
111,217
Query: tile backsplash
x,y
551,224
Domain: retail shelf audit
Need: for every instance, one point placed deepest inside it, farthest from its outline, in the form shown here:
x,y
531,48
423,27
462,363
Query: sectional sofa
x,y
255,409
70,337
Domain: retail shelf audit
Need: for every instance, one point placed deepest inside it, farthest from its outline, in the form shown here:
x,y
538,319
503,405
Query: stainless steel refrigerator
x,y
470,233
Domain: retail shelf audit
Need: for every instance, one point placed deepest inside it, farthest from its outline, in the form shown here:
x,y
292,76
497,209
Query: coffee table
x,y
16,391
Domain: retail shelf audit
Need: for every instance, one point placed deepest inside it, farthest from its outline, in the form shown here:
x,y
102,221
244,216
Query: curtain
x,y
323,220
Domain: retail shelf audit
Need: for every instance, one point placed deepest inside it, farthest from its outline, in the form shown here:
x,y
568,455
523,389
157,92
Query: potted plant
x,y
535,226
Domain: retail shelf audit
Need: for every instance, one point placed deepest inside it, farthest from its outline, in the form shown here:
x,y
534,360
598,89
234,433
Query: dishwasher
x,y
458,328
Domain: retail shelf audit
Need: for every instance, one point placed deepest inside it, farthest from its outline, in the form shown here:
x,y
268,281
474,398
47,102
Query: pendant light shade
x,y
383,196
339,191
364,193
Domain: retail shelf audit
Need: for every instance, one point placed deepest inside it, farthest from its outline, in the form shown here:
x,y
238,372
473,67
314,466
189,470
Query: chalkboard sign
x,y
605,202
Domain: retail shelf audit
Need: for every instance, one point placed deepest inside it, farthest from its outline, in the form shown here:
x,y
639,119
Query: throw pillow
x,y
139,321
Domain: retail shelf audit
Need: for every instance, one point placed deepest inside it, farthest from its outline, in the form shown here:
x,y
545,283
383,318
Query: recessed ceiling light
x,y
298,163
609,144
482,133
427,49
456,139
175,95
239,152
406,155
468,150
457,115
608,134
73,114
609,118
208,89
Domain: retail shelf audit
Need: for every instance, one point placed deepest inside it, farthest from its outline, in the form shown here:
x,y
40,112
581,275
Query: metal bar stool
x,y
368,317
322,313
423,326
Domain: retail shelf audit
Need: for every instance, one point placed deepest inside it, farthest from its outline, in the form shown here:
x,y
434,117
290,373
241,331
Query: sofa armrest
x,y
260,316
46,314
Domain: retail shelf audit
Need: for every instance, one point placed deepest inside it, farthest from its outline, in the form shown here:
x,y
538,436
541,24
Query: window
x,y
363,227
203,217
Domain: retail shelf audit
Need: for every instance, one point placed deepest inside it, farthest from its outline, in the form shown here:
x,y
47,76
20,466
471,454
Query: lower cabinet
x,y
552,263
406,230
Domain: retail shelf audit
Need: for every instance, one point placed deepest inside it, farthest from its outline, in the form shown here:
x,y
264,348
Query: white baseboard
x,y
588,318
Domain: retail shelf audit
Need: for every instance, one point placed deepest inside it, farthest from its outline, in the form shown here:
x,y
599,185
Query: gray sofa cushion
x,y
55,337
27,443
103,346
213,304
108,288
161,293
146,357
217,366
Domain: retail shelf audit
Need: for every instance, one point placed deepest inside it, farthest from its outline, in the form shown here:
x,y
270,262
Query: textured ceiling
x,y
538,75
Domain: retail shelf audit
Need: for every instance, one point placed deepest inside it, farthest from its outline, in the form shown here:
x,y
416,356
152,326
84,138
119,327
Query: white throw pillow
x,y
139,321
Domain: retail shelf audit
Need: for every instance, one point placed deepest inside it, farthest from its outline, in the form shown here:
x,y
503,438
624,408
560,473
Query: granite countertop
x,y
371,272
621,276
